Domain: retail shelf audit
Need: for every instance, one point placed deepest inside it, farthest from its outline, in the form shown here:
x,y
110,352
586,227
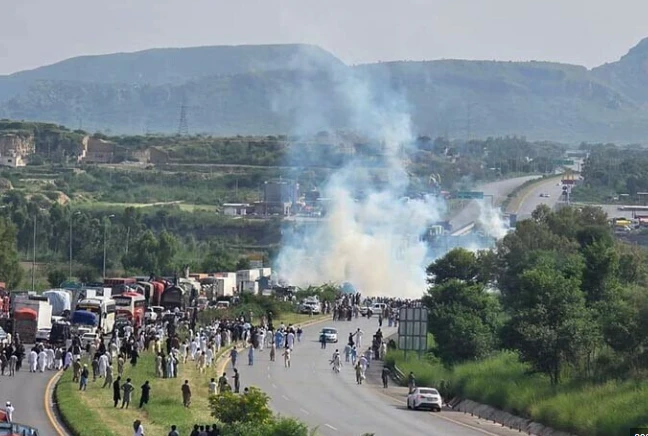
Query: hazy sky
x,y
586,32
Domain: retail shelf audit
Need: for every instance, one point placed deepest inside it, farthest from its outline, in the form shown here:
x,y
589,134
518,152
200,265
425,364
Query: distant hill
x,y
295,88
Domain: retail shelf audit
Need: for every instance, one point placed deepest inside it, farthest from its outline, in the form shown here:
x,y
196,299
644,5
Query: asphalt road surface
x,y
499,190
26,391
334,403
552,187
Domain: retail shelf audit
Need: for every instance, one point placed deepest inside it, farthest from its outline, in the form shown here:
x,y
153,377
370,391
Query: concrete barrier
x,y
504,418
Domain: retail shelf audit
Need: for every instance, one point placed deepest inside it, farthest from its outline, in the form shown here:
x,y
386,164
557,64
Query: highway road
x,y
532,199
26,391
335,404
499,190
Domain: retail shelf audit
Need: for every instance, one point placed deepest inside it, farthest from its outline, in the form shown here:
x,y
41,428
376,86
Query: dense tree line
x,y
162,240
559,289
609,171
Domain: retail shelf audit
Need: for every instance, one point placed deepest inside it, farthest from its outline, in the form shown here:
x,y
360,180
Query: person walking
x,y
109,376
234,356
237,381
385,377
117,390
146,391
251,356
128,389
411,382
174,431
212,387
273,351
9,409
222,383
286,356
186,394
138,429
358,374
83,382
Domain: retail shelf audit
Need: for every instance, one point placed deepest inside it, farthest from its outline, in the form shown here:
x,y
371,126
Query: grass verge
x,y
91,413
502,381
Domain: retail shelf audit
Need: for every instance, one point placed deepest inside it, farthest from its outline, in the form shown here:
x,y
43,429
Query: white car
x,y
42,335
330,334
88,339
378,308
425,398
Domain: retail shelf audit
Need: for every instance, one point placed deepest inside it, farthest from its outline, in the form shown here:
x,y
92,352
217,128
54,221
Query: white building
x,y
235,209
225,284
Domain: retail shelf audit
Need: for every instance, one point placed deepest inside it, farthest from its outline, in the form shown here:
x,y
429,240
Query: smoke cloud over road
x,y
370,236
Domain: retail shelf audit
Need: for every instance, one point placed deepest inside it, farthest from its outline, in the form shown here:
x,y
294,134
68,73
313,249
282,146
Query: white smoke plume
x,y
491,220
371,241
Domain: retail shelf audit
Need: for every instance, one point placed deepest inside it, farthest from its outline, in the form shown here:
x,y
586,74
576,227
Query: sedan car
x,y
425,398
330,334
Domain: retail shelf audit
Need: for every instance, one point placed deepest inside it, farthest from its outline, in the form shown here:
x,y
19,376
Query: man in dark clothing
x,y
173,431
237,381
186,394
146,390
195,431
385,377
117,391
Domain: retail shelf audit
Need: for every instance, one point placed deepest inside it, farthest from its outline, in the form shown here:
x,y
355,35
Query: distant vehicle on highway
x,y
330,334
425,398
544,195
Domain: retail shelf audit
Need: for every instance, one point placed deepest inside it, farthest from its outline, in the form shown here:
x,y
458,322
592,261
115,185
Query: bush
x,y
231,408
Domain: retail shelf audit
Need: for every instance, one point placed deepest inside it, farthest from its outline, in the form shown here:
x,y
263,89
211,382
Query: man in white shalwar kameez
x,y
33,361
42,361
209,356
50,357
103,364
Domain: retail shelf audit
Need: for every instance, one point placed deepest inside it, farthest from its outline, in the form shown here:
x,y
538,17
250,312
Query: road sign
x,y
413,329
563,162
470,195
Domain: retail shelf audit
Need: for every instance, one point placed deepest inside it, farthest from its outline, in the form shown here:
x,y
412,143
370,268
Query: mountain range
x,y
294,88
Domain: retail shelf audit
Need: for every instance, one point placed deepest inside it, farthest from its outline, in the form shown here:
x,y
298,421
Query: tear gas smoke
x,y
373,240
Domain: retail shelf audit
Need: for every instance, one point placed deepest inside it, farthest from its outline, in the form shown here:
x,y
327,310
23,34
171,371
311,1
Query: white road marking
x,y
274,385
331,427
305,411
268,375
285,398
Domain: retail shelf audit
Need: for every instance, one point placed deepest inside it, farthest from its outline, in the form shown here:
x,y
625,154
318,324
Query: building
x,y
12,160
95,150
280,197
235,209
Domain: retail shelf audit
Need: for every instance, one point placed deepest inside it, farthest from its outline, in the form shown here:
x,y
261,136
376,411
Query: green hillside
x,y
295,88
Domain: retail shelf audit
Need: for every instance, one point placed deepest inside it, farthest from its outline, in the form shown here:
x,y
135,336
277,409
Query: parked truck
x,y
30,318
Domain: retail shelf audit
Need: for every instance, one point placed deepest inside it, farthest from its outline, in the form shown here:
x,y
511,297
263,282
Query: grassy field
x,y
91,413
583,408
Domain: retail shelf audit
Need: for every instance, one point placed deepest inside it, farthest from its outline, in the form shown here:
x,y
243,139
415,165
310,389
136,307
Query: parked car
x,y
310,307
378,308
425,398
330,334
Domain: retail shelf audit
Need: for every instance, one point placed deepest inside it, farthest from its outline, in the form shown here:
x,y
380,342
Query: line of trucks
x,y
57,313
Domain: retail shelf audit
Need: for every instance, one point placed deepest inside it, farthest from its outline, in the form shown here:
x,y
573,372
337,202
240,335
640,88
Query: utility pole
x,y
33,271
104,245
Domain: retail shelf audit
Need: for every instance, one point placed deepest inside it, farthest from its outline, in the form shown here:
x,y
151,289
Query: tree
x,y
55,277
167,248
218,259
457,264
550,324
10,270
230,408
243,263
144,253
464,319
